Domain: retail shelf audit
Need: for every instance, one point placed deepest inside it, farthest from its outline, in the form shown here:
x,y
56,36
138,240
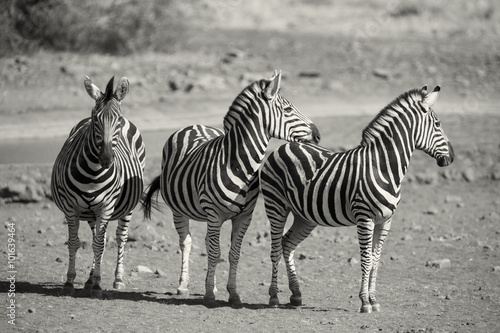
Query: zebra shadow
x,y
54,290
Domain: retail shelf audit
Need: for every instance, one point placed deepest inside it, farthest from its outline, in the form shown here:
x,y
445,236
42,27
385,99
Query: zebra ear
x,y
122,88
424,89
91,89
273,86
431,98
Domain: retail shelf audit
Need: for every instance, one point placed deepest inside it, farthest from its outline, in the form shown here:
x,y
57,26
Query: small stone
x,y
46,206
407,238
441,263
452,199
496,269
353,261
432,210
381,73
448,297
40,231
160,273
143,269
302,256
49,243
469,175
30,310
58,259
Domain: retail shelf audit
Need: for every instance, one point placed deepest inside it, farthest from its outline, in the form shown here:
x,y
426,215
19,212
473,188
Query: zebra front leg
x,y
212,242
121,240
299,231
73,245
239,227
98,245
365,235
182,227
379,234
89,283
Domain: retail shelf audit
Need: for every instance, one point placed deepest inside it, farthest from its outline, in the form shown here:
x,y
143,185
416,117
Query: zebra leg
x,y
379,234
212,242
277,222
73,245
239,227
98,245
299,231
121,240
182,226
89,283
365,235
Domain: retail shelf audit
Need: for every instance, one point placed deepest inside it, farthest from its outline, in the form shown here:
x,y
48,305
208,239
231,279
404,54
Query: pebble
x,y
441,263
49,243
469,175
453,199
407,238
143,269
30,310
495,269
432,210
58,259
160,273
353,261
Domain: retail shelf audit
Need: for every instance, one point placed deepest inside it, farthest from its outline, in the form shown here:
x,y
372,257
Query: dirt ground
x,y
339,72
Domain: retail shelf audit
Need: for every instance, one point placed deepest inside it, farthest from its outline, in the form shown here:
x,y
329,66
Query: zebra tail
x,y
147,202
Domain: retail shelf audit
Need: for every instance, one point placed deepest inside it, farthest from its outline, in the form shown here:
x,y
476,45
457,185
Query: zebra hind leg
x,y
365,236
239,227
277,227
212,243
73,245
182,227
121,240
299,231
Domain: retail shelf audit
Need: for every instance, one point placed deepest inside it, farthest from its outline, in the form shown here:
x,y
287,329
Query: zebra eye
x,y
288,109
438,123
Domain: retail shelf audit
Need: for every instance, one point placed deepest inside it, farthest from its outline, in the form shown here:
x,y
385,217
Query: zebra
x,y
97,177
358,187
211,175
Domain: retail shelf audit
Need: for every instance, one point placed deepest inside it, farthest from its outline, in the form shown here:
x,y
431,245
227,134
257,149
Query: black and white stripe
x,y
98,177
358,187
211,175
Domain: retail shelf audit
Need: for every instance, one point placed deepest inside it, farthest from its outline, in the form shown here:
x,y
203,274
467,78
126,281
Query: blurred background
x,y
187,60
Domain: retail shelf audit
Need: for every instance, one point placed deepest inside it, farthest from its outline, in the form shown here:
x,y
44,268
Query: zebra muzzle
x,y
106,158
444,161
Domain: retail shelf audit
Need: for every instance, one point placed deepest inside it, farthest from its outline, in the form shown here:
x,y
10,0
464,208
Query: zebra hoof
x,y
274,302
119,285
96,292
88,285
296,300
366,309
209,302
183,292
376,307
68,289
235,302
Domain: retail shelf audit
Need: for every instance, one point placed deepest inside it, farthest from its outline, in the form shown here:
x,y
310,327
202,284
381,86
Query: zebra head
x,y
106,119
286,122
431,137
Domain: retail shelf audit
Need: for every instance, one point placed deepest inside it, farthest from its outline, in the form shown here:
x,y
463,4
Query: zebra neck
x,y
247,143
392,157
90,152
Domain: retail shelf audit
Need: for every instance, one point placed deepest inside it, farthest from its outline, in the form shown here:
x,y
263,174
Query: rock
x,y
441,263
302,256
58,259
427,177
495,269
144,232
452,199
495,171
143,269
407,238
353,261
160,273
49,243
30,310
309,74
469,175
381,73
432,210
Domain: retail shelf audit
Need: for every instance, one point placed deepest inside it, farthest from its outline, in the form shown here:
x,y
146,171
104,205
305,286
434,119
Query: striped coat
x,y
97,177
360,187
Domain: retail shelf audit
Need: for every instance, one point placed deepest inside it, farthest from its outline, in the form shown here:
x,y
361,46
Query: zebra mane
x,y
385,117
242,104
